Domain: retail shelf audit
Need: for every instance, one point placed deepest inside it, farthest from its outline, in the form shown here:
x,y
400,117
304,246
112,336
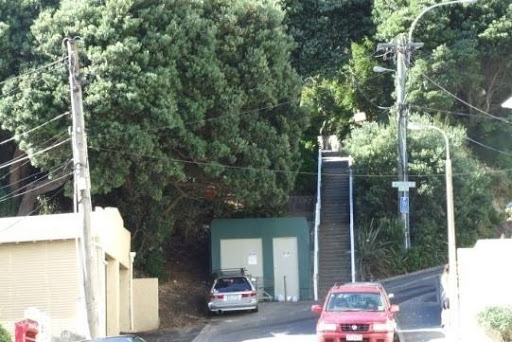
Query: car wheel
x,y
396,338
255,310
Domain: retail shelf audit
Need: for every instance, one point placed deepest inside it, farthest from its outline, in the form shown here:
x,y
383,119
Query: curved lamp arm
x,y
413,25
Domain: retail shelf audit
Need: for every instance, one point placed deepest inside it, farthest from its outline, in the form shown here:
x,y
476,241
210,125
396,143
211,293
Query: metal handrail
x,y
317,223
352,237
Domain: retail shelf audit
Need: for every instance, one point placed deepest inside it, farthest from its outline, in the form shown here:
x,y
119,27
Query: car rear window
x,y
234,284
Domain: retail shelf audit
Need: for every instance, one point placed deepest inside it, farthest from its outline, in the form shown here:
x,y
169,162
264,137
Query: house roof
x,y
51,227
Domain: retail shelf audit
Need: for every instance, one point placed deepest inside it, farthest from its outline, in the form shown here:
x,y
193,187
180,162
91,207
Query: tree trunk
x,y
18,171
40,187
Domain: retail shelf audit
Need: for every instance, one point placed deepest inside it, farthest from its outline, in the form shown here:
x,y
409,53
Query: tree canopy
x,y
373,147
191,107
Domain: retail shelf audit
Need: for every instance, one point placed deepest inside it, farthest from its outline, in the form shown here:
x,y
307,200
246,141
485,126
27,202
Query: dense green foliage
x,y
4,335
467,51
373,147
191,109
498,320
324,30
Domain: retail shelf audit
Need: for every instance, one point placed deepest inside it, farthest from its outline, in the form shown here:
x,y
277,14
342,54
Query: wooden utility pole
x,y
82,191
402,50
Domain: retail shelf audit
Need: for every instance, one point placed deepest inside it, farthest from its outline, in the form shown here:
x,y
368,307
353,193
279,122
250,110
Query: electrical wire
x,y
488,147
21,157
248,168
31,212
4,165
34,70
11,196
464,102
34,129
61,166
451,112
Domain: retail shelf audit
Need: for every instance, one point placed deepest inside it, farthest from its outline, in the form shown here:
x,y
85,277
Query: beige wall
x,y
145,304
115,239
124,300
45,274
41,275
484,280
112,296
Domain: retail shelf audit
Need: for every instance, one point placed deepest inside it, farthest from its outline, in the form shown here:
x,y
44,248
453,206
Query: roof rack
x,y
230,272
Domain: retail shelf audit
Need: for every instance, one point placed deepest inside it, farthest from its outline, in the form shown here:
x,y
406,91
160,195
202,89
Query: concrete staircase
x,y
334,231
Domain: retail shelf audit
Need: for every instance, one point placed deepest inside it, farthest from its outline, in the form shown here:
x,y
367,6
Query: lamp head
x,y
378,68
507,103
415,126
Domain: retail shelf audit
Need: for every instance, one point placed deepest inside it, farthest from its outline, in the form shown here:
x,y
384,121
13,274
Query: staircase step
x,y
334,231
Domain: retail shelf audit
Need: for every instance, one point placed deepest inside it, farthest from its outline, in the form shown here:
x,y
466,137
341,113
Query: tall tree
x,y
16,44
467,51
324,30
191,107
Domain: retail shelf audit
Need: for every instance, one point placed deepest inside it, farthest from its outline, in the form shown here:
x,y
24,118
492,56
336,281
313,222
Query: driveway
x,y
275,321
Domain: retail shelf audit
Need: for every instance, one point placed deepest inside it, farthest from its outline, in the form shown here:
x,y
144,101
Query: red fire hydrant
x,y
26,330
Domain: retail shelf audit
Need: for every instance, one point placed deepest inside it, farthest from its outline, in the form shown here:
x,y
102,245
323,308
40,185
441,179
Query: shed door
x,y
286,268
238,253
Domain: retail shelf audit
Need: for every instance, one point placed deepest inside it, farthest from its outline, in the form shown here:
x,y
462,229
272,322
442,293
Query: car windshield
x,y
235,284
355,301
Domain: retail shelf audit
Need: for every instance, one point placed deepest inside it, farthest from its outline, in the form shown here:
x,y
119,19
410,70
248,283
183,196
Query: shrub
x,y
497,319
4,335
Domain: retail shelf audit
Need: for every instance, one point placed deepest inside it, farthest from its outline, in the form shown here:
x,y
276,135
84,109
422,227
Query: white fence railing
x,y
317,223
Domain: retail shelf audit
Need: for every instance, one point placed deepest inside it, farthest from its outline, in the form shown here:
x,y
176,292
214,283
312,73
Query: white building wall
x,y
484,280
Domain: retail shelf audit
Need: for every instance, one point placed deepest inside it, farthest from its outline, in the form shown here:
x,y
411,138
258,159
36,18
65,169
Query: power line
x,y
488,147
31,212
2,166
34,70
451,112
61,166
34,129
11,196
219,117
19,158
248,168
464,102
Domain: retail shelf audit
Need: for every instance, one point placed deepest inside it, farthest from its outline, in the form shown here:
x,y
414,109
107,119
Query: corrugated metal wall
x,y
52,266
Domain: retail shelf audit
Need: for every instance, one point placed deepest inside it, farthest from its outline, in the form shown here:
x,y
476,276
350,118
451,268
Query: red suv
x,y
356,312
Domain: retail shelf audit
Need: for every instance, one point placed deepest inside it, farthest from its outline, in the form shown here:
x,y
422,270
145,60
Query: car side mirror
x,y
394,308
391,295
316,309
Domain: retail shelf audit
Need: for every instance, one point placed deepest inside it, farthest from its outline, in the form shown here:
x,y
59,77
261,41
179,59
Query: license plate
x,y
232,298
354,337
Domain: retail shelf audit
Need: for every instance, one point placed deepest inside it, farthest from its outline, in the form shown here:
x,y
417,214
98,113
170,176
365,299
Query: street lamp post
x,y
403,48
453,293
413,25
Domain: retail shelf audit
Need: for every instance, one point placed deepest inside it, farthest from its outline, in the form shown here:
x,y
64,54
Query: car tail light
x,y
249,294
212,296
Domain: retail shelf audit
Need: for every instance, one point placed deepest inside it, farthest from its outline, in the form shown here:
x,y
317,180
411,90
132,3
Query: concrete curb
x,y
398,277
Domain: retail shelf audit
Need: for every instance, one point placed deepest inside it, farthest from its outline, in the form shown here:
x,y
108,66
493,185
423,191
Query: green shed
x,y
275,251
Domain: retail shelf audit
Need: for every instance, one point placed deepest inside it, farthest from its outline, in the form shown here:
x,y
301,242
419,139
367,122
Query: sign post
x,y
404,206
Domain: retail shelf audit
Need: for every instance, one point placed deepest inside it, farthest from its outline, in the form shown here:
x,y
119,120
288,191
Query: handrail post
x,y
317,223
352,236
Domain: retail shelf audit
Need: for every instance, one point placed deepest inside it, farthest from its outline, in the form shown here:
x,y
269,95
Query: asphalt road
x,y
275,321
418,319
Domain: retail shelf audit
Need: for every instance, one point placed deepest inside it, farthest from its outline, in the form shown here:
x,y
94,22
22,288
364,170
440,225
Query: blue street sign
x,y
404,205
